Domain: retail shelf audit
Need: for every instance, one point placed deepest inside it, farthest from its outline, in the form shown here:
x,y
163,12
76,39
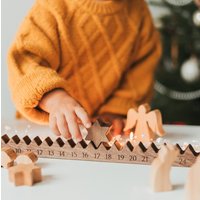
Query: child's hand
x,y
117,121
64,114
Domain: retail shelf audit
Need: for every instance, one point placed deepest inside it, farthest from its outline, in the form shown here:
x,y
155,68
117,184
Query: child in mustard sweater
x,y
76,59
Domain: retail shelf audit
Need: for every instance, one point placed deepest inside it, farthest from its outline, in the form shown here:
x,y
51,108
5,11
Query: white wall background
x,y
13,12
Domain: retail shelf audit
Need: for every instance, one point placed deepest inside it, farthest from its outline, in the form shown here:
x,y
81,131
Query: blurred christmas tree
x,y
177,87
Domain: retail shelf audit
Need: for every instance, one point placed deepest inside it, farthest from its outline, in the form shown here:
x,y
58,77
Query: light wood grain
x,y
98,134
193,181
26,158
8,156
161,167
145,124
129,153
25,174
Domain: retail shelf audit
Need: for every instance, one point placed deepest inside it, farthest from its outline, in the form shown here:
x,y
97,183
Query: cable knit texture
x,y
103,53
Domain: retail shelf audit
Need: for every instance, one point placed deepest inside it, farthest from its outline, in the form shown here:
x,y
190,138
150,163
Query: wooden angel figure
x,y
144,123
193,181
161,166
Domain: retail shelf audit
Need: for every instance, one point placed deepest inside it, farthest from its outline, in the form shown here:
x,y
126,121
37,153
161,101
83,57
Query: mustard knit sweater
x,y
103,53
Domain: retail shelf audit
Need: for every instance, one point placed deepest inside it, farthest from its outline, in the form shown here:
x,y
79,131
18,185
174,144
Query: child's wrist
x,y
50,99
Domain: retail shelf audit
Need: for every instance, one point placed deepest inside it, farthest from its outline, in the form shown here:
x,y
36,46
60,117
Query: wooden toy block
x,y
8,156
26,158
161,166
145,124
25,174
193,181
98,134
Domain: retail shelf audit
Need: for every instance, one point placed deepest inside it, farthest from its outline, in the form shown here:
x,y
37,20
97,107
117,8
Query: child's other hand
x,y
64,114
117,121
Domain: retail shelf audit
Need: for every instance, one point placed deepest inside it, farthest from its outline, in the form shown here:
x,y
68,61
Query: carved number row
x,y
85,155
120,157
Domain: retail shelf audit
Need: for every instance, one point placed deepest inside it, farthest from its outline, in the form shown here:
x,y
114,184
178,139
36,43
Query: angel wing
x,y
154,119
132,117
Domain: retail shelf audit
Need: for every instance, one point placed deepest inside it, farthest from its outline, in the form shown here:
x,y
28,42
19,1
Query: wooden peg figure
x,y
193,181
161,166
8,156
25,174
145,123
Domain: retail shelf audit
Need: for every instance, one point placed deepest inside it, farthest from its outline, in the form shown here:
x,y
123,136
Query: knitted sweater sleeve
x,y
32,63
137,85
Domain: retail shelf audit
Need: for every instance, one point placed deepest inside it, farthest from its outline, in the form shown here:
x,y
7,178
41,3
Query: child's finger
x,y
83,116
73,126
63,127
118,126
53,125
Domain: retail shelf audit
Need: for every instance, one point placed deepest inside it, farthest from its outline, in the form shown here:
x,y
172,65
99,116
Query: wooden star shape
x,y
26,158
25,174
98,134
8,156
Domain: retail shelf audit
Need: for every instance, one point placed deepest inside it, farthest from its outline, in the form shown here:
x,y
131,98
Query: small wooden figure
x,y
25,174
193,181
145,124
8,156
98,134
161,166
26,158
